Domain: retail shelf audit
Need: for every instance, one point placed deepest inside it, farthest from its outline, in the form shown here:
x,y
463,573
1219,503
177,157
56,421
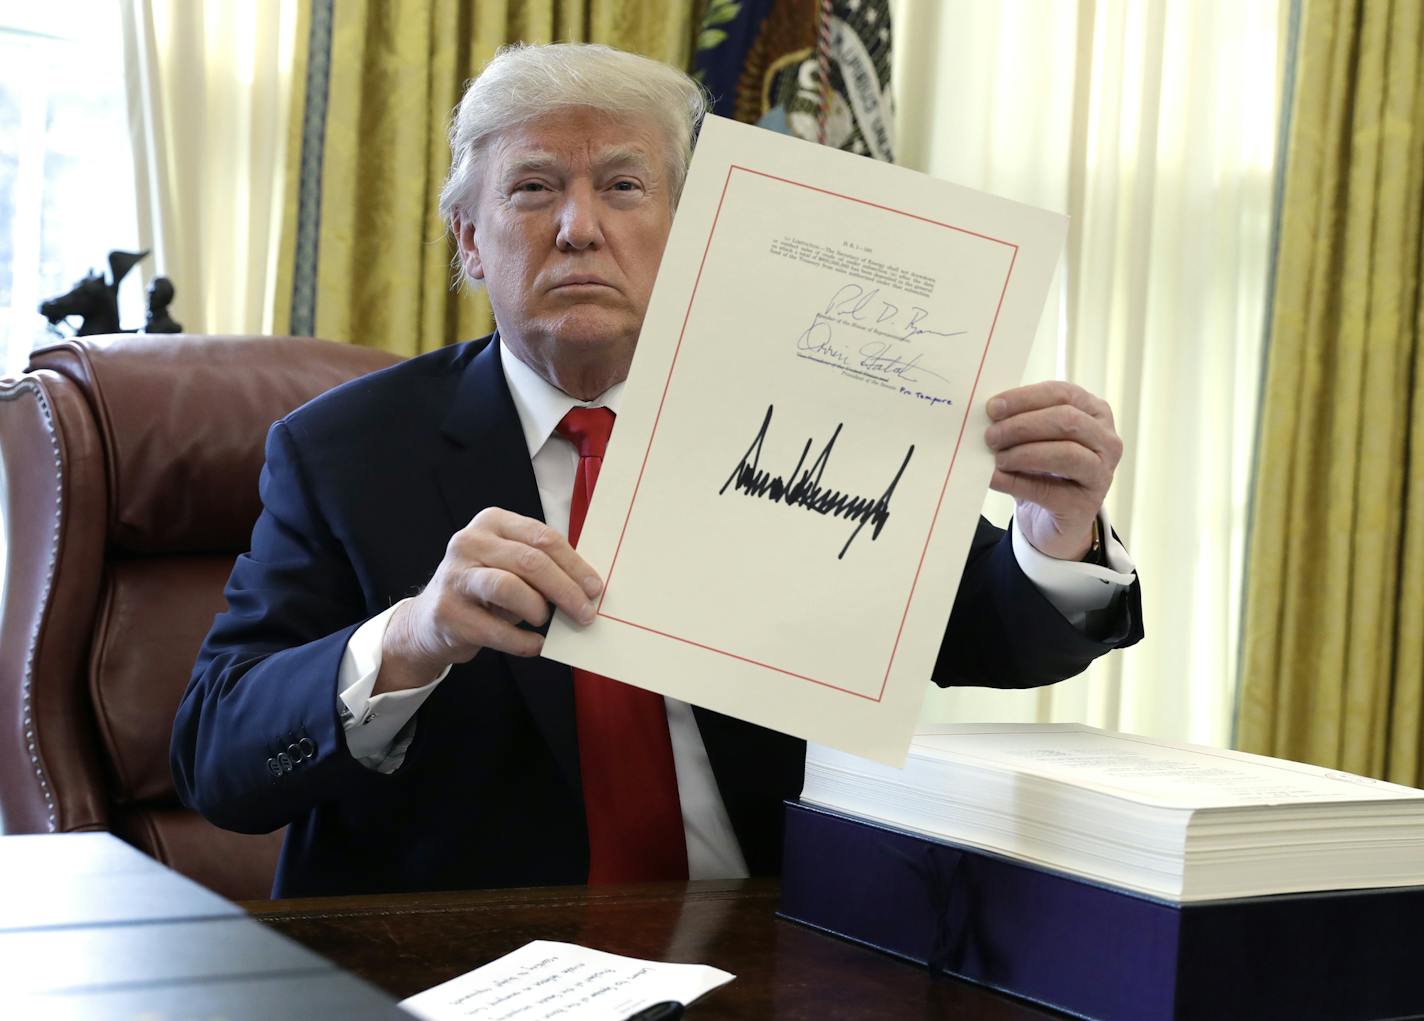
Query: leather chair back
x,y
128,483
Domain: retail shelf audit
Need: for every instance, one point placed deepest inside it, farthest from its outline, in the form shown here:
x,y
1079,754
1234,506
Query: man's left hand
x,y
1055,451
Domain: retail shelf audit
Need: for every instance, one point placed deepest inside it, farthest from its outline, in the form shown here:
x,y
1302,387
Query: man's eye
x,y
625,185
530,186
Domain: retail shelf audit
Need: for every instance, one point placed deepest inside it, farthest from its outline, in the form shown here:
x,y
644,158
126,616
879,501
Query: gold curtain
x,y
1333,665
364,256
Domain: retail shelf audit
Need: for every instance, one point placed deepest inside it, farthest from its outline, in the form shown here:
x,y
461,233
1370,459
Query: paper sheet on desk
x,y
544,979
796,472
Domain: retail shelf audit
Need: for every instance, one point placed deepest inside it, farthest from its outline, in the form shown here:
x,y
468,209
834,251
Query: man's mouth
x,y
580,281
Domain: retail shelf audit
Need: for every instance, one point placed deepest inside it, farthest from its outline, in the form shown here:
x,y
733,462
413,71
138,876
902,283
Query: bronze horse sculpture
x,y
97,302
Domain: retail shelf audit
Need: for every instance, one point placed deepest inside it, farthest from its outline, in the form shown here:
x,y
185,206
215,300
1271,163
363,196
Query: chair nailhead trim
x,y
25,690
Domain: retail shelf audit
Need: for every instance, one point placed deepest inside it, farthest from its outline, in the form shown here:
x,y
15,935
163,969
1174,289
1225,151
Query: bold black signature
x,y
802,488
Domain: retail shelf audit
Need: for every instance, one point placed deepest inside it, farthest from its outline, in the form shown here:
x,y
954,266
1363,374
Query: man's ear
x,y
464,226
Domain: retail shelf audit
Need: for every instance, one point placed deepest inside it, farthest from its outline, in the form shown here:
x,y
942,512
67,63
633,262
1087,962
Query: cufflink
x,y
1096,553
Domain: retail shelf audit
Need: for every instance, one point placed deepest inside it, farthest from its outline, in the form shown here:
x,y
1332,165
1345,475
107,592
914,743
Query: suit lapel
x,y
485,463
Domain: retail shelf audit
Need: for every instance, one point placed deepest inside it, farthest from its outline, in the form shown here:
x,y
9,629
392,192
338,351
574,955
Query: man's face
x,y
567,232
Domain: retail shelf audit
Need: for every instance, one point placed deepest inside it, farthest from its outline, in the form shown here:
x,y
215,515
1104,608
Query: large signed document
x,y
796,472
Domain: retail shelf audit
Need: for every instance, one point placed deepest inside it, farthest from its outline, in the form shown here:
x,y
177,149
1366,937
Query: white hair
x,y
524,81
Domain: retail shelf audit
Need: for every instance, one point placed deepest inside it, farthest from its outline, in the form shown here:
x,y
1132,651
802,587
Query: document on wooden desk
x,y
796,472
544,979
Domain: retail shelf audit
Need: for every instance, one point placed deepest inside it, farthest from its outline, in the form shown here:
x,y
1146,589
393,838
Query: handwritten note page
x,y
788,498
544,979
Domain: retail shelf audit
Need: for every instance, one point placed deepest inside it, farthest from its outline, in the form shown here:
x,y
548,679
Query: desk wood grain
x,y
410,942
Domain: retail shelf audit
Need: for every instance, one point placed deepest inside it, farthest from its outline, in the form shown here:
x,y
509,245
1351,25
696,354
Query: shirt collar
x,y
540,404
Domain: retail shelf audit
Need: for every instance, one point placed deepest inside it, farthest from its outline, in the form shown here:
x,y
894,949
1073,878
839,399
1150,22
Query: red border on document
x,y
949,471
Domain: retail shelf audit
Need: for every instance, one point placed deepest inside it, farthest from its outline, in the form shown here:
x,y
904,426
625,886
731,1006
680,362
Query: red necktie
x,y
625,754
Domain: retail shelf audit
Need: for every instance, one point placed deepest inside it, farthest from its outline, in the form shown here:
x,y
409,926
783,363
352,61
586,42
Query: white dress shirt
x,y
379,729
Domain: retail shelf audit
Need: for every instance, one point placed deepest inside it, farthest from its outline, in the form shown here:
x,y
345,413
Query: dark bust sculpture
x,y
160,296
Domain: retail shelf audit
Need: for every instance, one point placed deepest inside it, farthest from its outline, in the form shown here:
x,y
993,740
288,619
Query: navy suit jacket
x,y
362,490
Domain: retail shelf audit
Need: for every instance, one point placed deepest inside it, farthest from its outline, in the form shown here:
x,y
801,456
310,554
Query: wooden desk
x,y
407,943
91,929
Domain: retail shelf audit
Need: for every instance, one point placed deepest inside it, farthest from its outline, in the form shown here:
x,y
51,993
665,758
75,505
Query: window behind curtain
x,y
66,174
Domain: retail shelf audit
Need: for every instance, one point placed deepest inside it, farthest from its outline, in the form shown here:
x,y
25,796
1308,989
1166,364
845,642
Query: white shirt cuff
x,y
379,729
1074,588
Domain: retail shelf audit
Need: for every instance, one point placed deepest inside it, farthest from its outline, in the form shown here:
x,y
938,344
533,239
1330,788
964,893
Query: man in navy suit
x,y
375,682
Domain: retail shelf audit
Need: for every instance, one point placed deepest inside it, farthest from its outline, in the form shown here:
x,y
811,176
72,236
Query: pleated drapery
x,y
365,257
1153,125
209,87
1333,667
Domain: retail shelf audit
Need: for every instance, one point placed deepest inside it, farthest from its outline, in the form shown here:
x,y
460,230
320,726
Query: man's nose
x,y
579,225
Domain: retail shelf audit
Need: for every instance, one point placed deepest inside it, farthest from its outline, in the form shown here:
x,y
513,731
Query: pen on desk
x,y
668,1010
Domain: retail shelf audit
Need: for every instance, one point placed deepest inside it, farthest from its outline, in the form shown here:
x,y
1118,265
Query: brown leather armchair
x,y
128,483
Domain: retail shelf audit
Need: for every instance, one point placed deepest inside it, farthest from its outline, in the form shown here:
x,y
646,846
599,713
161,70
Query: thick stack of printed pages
x,y
1174,821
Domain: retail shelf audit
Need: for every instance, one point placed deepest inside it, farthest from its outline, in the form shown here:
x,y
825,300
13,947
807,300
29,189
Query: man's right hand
x,y
500,569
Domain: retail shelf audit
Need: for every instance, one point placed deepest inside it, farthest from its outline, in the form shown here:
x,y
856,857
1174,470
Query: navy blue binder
x,y
1097,951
